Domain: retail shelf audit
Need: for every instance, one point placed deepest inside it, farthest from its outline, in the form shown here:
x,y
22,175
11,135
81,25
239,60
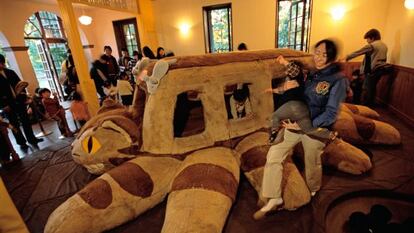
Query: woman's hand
x,y
282,60
290,84
290,125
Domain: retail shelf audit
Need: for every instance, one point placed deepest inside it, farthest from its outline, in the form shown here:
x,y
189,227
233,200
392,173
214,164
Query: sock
x,y
271,204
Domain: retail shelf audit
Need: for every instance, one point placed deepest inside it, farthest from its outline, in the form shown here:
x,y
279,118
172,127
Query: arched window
x,y
46,39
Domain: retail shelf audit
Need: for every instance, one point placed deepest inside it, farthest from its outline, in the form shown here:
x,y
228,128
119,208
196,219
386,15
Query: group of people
x,y
113,79
309,105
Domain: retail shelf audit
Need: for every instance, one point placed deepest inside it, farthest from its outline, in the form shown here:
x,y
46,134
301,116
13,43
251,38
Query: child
x,y
79,109
56,112
125,89
293,95
110,90
240,103
6,147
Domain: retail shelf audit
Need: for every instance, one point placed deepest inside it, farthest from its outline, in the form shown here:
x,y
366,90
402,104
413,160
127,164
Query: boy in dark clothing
x,y
113,68
356,86
99,74
288,104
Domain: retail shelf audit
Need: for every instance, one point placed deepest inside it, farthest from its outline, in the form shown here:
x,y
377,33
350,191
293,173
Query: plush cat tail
x,y
116,197
202,192
252,152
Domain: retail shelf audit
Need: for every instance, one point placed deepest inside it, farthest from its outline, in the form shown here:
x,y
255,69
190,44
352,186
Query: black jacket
x,y
97,65
6,95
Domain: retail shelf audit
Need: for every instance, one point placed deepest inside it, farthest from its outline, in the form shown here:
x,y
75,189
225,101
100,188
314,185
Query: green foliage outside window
x,y
220,30
293,24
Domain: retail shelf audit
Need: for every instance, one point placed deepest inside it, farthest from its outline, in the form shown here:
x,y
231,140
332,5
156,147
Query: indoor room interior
x,y
206,116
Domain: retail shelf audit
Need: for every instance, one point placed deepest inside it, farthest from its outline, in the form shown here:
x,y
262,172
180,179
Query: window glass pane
x,y
293,23
130,37
58,52
220,30
32,28
284,23
50,24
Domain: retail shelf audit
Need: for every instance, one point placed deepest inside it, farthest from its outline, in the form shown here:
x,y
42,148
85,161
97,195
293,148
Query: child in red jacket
x,y
56,112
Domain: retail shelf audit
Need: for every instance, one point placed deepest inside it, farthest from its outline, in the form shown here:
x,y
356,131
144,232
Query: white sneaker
x,y
62,137
272,204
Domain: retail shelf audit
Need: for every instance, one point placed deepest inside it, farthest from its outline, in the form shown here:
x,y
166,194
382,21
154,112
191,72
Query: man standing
x,y
14,112
113,68
373,65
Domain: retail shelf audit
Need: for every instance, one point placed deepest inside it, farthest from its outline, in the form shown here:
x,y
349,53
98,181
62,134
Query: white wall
x,y
399,34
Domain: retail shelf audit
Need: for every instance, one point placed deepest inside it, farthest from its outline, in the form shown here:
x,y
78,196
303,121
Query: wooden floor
x,y
51,139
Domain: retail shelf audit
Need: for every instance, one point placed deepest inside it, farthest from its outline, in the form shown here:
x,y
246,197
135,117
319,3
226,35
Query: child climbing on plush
x,y
240,102
284,94
56,112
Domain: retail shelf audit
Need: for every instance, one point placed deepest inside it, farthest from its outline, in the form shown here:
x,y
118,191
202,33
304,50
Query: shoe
x,y
24,146
271,205
62,137
36,140
273,135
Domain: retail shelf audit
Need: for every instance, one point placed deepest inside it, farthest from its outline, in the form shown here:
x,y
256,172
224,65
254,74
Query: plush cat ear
x,y
140,66
159,71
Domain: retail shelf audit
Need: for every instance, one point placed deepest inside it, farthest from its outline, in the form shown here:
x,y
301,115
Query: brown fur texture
x,y
97,194
358,129
209,204
360,110
197,203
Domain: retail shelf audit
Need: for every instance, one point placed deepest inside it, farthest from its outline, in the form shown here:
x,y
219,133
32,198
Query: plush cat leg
x,y
357,129
116,197
360,110
202,192
252,152
346,158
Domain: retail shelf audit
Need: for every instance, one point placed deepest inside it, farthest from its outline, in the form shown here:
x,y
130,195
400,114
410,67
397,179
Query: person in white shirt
x,y
125,89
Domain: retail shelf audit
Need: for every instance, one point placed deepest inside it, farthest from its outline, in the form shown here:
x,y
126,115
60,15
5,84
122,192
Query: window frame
x,y
304,46
120,36
207,21
48,61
